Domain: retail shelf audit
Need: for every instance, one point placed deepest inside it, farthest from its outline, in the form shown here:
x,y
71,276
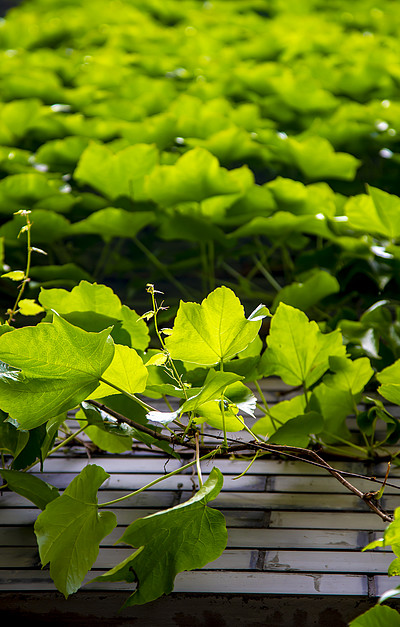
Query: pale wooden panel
x,y
214,582
271,500
367,521
156,465
383,583
28,557
328,484
297,538
271,583
327,561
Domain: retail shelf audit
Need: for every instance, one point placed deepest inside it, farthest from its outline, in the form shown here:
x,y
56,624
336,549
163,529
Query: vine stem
x,y
158,480
27,228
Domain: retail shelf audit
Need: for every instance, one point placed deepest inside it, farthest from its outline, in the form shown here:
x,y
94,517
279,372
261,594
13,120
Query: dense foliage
x,y
236,151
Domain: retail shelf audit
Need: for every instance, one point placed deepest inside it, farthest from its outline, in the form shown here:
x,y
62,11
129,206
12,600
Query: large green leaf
x,y
59,366
196,176
297,351
182,538
212,332
89,299
71,528
120,174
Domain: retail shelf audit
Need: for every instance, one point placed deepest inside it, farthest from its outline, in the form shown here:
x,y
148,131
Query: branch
x,y
295,452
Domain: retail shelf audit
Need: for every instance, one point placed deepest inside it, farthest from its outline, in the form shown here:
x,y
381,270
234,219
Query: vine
x,y
207,365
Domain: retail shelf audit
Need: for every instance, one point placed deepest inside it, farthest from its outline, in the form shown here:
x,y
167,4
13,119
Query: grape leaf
x,y
297,351
71,528
60,365
126,371
212,332
182,538
389,378
120,174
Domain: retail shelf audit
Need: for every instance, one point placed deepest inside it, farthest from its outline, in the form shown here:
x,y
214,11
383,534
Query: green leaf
x,y
279,414
60,365
105,431
297,351
29,307
211,413
377,213
350,376
309,292
335,406
282,224
12,440
394,568
182,538
31,487
70,530
212,332
297,431
92,298
120,174
378,616
317,159
14,275
213,389
126,372
390,377
196,176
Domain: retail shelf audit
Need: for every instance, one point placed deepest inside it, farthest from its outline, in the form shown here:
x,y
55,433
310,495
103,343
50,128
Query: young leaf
x,y
71,528
182,538
212,332
29,307
297,351
60,365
